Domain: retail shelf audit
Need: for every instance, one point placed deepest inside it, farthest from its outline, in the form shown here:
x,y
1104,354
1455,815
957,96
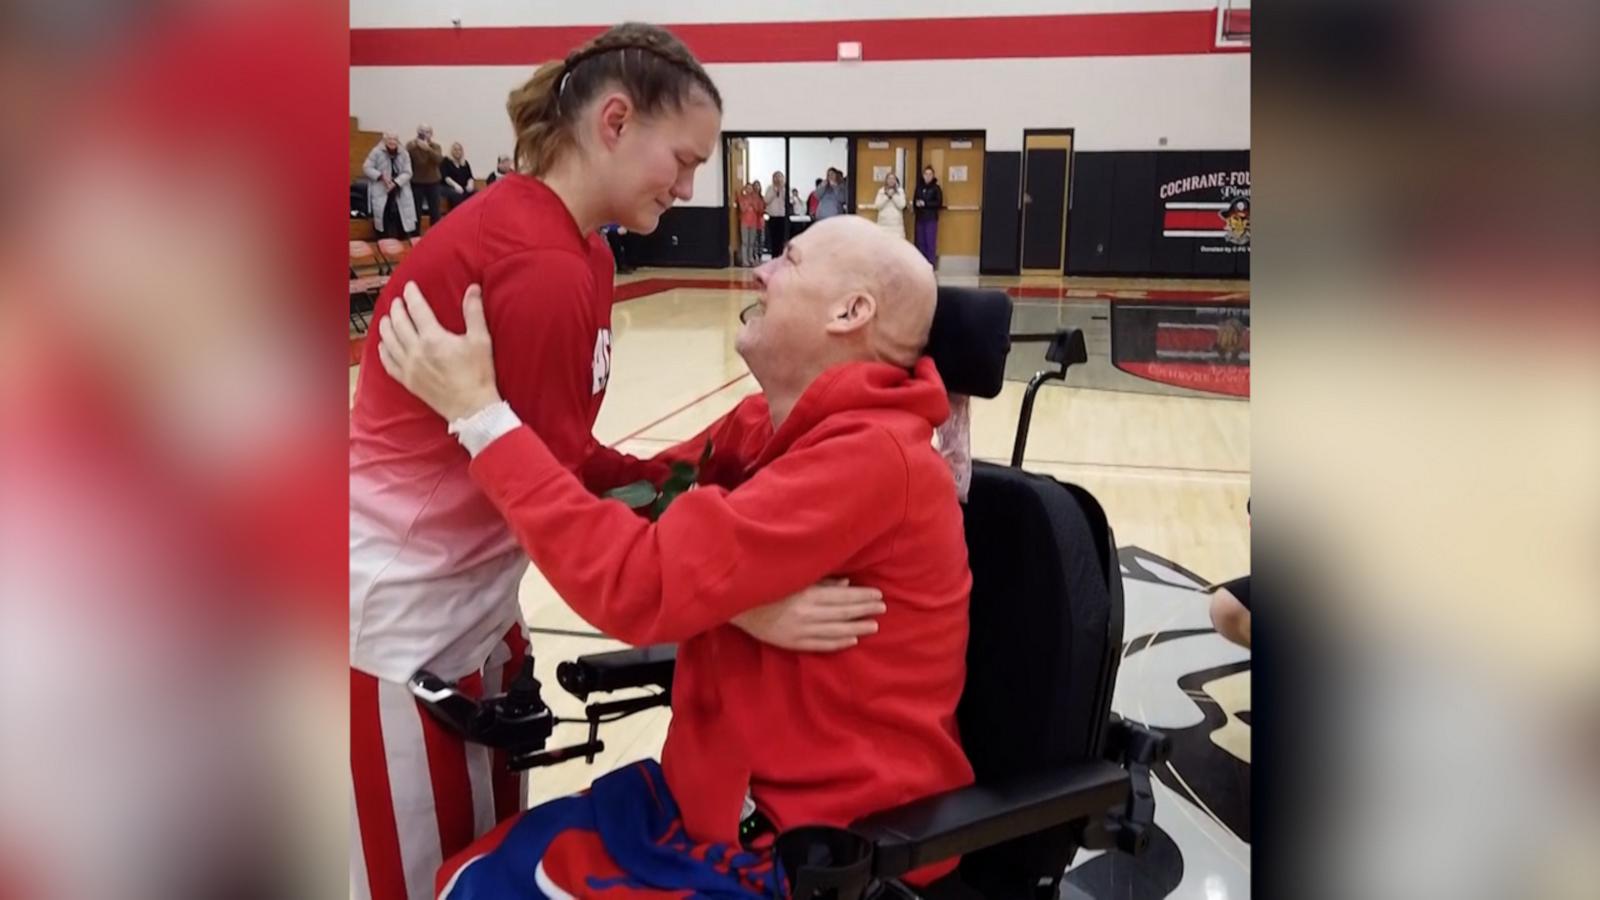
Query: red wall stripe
x,y
999,37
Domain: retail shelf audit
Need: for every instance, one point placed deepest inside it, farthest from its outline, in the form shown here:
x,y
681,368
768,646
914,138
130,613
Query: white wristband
x,y
483,427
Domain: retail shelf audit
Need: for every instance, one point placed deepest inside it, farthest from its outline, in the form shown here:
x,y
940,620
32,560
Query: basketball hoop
x,y
1233,24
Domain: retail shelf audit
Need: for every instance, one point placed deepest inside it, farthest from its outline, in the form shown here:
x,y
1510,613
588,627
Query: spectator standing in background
x,y
457,175
752,208
795,204
889,203
426,157
830,197
502,167
930,199
389,199
811,201
777,197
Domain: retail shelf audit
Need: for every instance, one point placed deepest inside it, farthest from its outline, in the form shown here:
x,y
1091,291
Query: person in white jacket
x,y
889,202
389,199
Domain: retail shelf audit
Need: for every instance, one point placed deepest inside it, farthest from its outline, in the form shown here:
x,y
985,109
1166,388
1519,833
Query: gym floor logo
x,y
1201,348
1180,677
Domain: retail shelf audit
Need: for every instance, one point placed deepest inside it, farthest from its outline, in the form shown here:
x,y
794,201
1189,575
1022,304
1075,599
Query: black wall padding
x,y
1136,221
1002,198
687,236
1091,189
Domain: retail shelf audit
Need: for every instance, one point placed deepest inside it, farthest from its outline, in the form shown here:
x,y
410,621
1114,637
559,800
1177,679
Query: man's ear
x,y
852,313
616,112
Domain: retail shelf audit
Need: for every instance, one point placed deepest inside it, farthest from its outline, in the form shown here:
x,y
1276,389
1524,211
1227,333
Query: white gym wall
x,y
1198,102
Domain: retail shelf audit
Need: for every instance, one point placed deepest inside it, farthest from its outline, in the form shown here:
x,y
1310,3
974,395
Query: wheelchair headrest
x,y
970,338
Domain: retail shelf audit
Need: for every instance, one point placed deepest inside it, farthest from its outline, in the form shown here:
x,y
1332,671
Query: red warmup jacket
x,y
850,486
434,568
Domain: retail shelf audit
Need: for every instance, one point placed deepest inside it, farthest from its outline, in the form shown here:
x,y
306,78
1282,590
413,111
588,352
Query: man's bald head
x,y
862,260
844,291
907,295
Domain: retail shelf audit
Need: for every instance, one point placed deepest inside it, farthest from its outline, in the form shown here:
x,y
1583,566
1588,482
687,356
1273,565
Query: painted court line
x,y
682,409
1132,469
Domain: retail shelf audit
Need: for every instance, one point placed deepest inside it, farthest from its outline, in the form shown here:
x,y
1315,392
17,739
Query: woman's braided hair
x,y
655,69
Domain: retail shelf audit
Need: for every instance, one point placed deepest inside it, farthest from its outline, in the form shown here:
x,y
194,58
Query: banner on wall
x,y
1204,348
1212,208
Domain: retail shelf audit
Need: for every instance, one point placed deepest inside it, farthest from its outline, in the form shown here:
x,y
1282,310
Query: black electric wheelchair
x,y
1056,770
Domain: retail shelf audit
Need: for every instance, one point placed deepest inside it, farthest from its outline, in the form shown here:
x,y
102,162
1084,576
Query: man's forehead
x,y
833,244
812,238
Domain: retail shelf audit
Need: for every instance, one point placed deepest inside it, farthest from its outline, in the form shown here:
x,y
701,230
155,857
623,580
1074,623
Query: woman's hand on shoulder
x,y
452,373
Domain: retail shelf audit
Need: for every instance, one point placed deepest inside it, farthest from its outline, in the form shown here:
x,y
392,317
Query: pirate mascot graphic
x,y
1236,222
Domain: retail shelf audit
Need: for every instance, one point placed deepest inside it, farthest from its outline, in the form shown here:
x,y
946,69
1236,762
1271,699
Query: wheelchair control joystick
x,y
517,721
522,699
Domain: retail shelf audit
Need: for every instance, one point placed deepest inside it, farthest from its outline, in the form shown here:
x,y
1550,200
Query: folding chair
x,y
393,252
364,288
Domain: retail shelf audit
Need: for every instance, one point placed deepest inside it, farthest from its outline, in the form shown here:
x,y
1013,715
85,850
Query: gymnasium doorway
x,y
1046,182
957,161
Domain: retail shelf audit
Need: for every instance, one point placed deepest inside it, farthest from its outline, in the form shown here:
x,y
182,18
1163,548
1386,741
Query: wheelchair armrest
x,y
958,822
606,672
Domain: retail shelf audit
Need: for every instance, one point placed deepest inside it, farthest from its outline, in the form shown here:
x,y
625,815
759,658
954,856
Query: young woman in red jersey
x,y
612,133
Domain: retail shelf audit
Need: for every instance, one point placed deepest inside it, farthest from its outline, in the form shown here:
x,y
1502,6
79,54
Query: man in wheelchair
x,y
814,739
830,472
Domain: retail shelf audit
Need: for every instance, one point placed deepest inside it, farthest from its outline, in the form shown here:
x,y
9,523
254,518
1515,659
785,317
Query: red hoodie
x,y
850,486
